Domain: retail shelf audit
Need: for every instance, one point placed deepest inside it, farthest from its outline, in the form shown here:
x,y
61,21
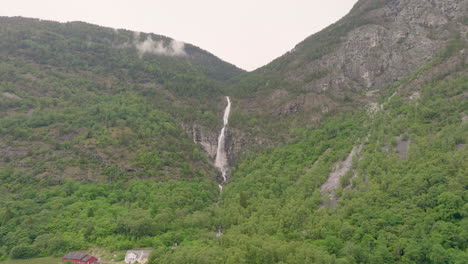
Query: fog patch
x,y
150,46
158,47
136,36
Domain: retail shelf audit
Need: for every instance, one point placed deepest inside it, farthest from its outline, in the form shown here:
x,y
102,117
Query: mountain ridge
x,y
350,63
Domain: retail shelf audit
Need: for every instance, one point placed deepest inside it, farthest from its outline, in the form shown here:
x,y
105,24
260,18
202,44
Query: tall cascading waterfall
x,y
221,156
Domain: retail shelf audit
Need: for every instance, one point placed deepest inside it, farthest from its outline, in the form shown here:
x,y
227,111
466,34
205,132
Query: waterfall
x,y
221,156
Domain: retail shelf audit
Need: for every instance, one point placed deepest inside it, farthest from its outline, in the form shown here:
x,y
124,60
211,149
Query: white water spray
x,y
221,156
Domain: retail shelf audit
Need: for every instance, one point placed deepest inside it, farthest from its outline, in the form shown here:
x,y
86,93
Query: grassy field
x,y
47,260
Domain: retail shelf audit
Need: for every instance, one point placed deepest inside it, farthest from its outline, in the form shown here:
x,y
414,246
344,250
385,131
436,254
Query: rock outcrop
x,y
208,140
346,66
376,44
394,40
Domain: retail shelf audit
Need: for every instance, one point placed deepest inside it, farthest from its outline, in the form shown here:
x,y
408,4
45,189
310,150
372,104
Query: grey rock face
x,y
208,140
235,144
403,36
238,142
390,40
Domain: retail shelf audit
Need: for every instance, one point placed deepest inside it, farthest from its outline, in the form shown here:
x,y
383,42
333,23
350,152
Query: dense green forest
x,y
390,209
50,60
84,118
76,103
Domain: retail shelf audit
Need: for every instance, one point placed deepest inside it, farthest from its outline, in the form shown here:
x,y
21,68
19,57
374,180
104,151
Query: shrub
x,y
23,252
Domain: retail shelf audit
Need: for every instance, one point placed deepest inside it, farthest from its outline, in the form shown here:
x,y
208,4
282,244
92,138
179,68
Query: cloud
x,y
150,46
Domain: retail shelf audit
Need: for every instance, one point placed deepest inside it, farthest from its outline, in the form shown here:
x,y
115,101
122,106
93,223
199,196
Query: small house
x,y
137,256
79,258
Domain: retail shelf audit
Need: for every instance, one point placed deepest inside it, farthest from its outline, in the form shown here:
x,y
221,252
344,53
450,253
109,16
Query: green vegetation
x,y
392,211
38,220
89,129
315,75
48,260
57,61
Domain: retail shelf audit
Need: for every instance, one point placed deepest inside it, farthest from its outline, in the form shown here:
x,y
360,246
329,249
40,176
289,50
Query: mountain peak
x,y
377,43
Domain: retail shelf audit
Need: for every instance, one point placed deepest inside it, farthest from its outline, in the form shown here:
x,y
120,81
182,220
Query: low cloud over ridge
x,y
150,46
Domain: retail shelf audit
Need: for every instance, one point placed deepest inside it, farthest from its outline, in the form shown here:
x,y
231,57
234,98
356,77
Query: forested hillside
x,y
78,99
106,139
89,113
394,204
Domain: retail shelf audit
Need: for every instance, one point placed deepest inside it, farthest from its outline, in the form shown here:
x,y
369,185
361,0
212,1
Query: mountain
x,y
348,64
93,111
91,92
351,148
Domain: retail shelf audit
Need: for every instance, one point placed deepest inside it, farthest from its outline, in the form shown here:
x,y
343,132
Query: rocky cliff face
x,y
401,36
205,138
237,141
346,66
351,63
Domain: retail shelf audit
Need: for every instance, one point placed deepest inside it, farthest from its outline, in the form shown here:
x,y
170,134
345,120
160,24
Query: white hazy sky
x,y
247,33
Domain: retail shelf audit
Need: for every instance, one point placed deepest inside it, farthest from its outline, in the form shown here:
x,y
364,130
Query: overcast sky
x,y
247,33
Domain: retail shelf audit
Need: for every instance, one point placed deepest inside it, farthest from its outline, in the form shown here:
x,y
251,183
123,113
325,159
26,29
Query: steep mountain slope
x,y
345,66
101,96
378,43
90,113
400,193
392,205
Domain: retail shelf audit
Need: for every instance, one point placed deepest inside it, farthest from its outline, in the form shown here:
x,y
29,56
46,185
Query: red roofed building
x,y
80,258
